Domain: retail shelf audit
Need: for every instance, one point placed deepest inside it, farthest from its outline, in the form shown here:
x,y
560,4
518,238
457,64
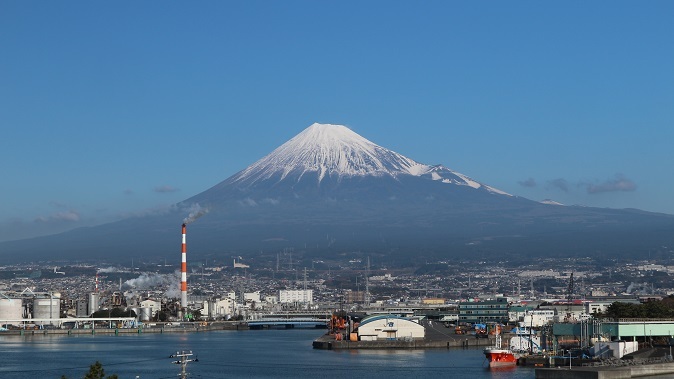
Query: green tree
x,y
114,312
651,309
95,372
197,314
161,316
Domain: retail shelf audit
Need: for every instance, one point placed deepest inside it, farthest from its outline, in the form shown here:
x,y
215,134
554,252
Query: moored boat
x,y
498,356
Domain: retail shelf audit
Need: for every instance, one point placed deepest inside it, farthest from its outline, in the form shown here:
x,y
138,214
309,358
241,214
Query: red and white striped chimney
x,y
183,272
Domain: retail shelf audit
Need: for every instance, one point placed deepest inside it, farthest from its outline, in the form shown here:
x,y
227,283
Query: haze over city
x,y
112,111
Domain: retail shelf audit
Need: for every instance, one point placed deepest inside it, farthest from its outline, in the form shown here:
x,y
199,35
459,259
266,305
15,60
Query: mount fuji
x,y
329,191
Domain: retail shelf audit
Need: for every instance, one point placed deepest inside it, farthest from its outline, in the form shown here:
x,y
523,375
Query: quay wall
x,y
182,328
328,342
582,373
652,369
622,372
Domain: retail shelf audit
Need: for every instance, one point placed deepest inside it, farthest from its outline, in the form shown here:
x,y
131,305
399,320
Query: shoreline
x,y
184,327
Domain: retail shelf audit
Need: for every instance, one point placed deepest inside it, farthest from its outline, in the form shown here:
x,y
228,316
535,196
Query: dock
x,y
611,372
184,327
645,362
437,337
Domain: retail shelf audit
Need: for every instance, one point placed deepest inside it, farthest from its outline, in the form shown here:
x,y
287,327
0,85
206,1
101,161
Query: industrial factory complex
x,y
562,305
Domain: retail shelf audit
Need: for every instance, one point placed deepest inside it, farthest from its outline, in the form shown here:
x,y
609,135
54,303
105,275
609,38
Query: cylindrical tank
x,y
46,308
93,303
136,310
145,314
211,309
11,309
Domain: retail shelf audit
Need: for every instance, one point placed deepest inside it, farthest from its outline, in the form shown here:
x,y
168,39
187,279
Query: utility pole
x,y
304,293
367,284
183,360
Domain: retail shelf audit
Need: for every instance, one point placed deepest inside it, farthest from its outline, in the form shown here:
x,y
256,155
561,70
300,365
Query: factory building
x,y
152,306
252,296
81,308
389,327
484,311
219,308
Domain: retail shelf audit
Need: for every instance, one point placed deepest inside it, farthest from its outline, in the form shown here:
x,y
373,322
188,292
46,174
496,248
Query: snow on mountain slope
x,y
550,202
336,151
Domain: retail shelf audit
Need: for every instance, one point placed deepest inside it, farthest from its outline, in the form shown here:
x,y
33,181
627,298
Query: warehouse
x,y
389,327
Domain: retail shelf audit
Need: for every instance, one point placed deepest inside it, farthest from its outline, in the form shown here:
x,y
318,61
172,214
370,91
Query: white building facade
x,y
296,296
389,327
538,317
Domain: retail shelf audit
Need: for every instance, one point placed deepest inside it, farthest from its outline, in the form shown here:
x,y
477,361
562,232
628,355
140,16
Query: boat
x,y
498,356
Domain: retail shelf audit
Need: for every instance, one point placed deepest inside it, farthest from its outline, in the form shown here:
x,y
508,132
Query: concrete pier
x,y
183,327
621,372
328,342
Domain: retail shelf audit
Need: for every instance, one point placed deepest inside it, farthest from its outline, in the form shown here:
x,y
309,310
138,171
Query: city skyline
x,y
116,111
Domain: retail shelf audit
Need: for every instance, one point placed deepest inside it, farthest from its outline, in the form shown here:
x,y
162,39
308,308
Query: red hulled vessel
x,y
498,356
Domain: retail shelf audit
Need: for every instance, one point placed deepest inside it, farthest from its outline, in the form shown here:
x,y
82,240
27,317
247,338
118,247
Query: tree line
x,y
651,309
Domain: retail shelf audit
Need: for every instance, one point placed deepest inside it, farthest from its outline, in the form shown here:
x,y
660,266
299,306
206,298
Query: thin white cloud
x,y
67,216
530,183
165,189
152,211
58,204
619,183
248,202
559,183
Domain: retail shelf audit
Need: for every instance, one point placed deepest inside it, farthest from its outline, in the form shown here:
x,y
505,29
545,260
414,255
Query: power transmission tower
x,y
569,297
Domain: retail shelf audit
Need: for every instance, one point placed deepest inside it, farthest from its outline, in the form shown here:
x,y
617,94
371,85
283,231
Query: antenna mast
x,y
183,361
367,284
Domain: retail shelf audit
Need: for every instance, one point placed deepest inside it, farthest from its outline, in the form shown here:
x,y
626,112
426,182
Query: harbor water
x,y
231,354
234,354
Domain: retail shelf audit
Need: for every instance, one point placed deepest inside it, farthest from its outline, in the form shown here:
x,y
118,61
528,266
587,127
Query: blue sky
x,y
110,109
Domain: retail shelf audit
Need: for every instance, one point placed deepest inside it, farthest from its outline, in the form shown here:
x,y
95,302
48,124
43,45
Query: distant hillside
x,y
329,190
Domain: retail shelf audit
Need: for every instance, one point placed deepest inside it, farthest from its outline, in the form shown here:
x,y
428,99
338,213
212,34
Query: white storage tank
x,y
136,310
93,303
11,309
49,308
145,314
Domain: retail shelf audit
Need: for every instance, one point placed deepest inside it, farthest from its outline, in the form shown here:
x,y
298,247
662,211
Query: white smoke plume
x,y
196,211
109,269
149,281
173,290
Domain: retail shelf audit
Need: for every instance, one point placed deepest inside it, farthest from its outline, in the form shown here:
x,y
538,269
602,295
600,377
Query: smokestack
x,y
183,272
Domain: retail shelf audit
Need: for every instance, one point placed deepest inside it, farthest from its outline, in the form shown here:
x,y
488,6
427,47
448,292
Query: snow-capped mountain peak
x,y
335,151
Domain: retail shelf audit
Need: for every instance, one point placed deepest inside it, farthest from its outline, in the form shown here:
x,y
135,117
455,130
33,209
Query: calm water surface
x,y
232,354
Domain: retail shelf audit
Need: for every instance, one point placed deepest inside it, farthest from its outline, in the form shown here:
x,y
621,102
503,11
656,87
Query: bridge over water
x,y
289,320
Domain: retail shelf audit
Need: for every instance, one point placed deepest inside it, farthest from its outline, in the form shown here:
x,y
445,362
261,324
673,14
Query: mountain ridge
x,y
329,190
336,152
